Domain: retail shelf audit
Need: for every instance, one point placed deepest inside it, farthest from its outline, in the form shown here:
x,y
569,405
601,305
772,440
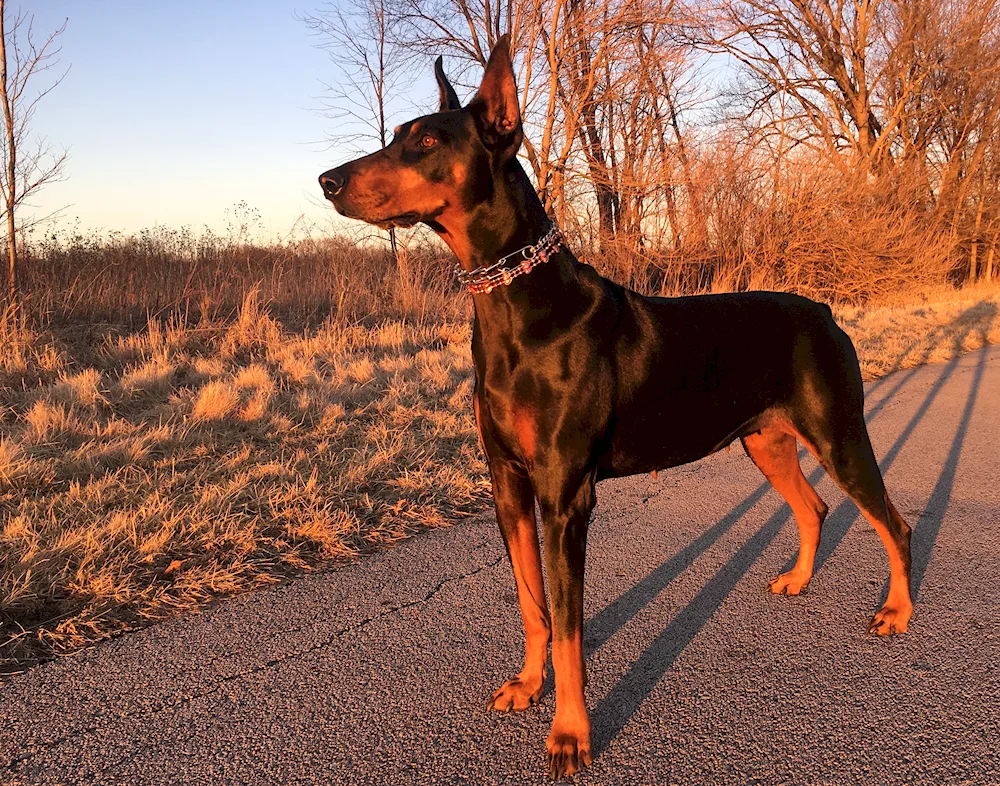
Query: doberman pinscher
x,y
579,379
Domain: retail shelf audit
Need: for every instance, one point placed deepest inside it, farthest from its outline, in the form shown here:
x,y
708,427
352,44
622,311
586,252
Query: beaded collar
x,y
485,279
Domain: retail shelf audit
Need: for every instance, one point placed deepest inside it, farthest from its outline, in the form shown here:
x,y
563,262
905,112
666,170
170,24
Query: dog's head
x,y
437,164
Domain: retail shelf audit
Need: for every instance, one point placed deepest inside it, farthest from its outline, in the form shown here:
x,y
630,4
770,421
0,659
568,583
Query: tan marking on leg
x,y
894,616
568,744
525,689
775,454
479,422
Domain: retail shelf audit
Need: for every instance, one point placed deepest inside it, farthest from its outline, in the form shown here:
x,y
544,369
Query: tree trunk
x,y
589,133
600,177
10,195
974,253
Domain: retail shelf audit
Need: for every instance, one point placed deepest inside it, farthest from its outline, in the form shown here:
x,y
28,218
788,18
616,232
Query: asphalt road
x,y
379,672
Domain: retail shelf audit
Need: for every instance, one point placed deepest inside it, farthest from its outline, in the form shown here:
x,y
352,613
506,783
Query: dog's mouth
x,y
403,220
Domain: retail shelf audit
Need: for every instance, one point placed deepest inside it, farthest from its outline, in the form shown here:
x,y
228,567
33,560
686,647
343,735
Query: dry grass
x,y
146,471
163,273
912,330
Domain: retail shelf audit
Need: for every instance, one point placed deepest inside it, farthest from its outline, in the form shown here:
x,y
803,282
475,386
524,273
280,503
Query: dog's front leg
x,y
515,507
566,516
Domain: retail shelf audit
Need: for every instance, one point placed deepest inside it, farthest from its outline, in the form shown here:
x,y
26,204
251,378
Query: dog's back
x,y
695,373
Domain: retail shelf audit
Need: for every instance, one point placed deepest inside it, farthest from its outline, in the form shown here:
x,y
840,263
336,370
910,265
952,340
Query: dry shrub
x,y
812,230
150,379
82,389
215,401
842,242
24,352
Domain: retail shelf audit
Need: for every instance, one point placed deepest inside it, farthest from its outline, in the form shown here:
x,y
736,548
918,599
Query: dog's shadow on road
x,y
621,703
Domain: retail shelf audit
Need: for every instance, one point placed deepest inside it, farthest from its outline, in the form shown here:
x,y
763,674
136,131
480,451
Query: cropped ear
x,y
495,106
449,98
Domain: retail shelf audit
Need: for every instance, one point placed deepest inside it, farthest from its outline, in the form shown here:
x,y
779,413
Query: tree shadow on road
x,y
625,698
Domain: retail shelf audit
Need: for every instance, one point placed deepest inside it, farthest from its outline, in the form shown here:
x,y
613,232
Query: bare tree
x,y
584,102
847,138
358,36
28,163
902,96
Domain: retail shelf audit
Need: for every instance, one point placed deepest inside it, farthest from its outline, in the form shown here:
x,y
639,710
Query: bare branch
x,y
27,167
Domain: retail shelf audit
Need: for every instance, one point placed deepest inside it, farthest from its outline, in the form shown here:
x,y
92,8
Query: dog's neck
x,y
509,219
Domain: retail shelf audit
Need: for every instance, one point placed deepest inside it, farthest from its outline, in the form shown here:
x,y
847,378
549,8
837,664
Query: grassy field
x,y
145,471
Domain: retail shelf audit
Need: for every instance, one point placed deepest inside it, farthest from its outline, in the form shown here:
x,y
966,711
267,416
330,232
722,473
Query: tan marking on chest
x,y
526,431
460,244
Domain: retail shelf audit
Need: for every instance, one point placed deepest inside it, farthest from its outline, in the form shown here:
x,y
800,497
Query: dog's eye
x,y
427,141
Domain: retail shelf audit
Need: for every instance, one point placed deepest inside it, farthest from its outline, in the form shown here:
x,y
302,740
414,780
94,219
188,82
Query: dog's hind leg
x,y
775,454
515,508
839,439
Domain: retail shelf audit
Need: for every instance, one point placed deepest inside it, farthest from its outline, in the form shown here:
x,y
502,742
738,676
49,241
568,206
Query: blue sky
x,y
174,111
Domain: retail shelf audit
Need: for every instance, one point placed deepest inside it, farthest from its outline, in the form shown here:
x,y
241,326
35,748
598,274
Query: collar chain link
x,y
483,280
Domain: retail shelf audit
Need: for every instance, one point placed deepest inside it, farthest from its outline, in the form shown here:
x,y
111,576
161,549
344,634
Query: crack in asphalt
x,y
18,762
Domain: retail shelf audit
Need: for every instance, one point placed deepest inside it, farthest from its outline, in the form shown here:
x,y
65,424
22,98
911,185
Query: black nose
x,y
332,182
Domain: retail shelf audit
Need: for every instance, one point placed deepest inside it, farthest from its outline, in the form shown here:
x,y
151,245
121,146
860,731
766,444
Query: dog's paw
x,y
791,583
567,753
890,620
516,694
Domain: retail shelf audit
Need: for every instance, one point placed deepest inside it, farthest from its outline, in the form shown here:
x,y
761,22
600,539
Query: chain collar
x,y
485,279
